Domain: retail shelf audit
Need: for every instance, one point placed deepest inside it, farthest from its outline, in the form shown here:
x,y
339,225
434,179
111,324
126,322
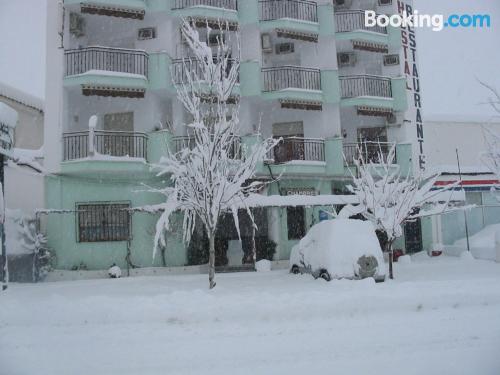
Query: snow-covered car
x,y
339,248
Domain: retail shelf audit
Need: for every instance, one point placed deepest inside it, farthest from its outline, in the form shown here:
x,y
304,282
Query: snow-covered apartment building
x,y
311,72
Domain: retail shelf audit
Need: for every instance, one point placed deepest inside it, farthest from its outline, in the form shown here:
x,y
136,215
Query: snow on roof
x,y
453,169
21,97
8,116
470,119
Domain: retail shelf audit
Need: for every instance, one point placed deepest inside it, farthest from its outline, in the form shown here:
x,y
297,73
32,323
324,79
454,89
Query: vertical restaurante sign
x,y
409,43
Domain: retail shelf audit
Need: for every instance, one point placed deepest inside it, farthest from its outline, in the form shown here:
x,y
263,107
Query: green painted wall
x,y
159,72
399,93
330,86
404,158
63,192
326,19
250,78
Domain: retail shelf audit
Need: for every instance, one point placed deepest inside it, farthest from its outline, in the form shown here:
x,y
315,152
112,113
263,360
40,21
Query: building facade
x,y
311,73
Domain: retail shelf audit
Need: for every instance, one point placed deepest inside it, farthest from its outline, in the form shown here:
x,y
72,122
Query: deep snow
x,y
440,316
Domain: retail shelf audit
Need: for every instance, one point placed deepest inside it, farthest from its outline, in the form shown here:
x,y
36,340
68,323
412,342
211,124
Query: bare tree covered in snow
x,y
388,198
212,175
491,157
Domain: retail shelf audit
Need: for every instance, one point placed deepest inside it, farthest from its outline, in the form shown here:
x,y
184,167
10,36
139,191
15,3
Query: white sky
x,y
449,60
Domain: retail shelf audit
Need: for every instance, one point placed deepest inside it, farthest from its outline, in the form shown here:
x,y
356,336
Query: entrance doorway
x,y
413,236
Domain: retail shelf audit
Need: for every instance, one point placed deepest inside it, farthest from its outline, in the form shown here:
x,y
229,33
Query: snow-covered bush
x,y
23,238
263,265
115,272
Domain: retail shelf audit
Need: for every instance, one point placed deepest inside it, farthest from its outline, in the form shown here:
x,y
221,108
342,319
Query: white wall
x,y
443,137
24,189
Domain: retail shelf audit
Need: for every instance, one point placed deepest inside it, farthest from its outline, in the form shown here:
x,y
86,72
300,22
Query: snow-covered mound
x,y
482,244
263,265
345,248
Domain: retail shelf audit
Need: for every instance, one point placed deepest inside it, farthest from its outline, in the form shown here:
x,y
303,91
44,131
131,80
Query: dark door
x,y
413,236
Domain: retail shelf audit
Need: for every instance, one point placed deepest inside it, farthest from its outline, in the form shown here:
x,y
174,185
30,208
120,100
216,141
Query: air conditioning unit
x,y
284,48
384,2
146,33
342,4
346,59
76,25
266,43
391,60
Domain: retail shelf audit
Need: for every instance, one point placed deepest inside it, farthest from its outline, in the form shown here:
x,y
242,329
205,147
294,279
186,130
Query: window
x,y
474,197
147,33
99,222
215,38
295,220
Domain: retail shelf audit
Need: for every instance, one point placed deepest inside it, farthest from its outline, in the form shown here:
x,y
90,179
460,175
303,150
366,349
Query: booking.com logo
x,y
436,21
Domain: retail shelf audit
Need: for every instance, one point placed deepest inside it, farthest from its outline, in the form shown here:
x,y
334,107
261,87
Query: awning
x,y
115,92
370,46
112,10
292,34
301,104
373,111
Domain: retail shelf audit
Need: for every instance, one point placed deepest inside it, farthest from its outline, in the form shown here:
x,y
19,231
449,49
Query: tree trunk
x,y
211,261
254,248
391,256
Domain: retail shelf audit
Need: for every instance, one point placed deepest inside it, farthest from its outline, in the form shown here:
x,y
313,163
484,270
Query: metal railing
x,y
287,76
113,143
369,151
352,20
183,142
182,67
79,61
365,85
296,149
223,4
296,9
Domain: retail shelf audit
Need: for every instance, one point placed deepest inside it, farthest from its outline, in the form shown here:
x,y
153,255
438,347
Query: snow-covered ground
x,y
440,316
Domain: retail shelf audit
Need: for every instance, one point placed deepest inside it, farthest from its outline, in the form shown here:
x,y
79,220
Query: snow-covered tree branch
x,y
212,175
491,157
388,198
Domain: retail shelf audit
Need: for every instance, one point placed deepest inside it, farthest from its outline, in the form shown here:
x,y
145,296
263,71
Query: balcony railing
x,y
296,149
353,20
182,67
365,85
183,142
369,151
112,143
295,9
223,4
285,77
79,61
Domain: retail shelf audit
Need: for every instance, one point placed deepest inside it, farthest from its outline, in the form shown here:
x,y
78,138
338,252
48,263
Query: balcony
x,y
105,71
295,19
298,149
350,25
182,142
368,91
369,151
293,85
181,68
112,153
118,144
218,13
